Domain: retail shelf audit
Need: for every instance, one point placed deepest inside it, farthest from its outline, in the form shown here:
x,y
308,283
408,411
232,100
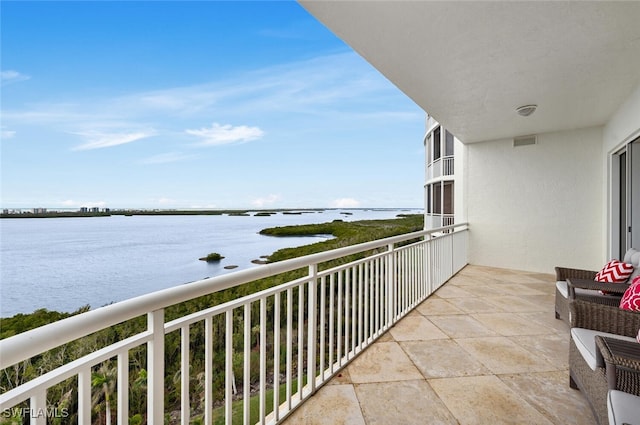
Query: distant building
x,y
39,210
84,209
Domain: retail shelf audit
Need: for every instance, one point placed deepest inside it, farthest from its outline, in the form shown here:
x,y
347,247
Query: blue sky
x,y
197,105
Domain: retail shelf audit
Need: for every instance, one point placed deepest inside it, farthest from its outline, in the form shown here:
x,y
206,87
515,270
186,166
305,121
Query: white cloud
x,y
345,203
6,134
98,140
226,134
165,158
265,201
10,77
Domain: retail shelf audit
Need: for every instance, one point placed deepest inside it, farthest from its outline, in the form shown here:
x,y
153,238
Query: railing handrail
x,y
442,158
36,341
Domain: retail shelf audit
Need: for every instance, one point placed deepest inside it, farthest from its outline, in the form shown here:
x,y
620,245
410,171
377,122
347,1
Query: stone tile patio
x,y
484,349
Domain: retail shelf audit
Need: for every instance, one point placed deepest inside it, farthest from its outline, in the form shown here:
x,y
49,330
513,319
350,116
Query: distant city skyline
x,y
197,105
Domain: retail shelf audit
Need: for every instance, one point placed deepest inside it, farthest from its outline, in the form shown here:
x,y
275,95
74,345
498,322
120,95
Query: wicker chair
x,y
580,284
603,368
570,286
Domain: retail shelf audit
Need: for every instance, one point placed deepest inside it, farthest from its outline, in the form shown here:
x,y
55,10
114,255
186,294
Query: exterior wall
x,y
624,126
538,206
621,129
459,198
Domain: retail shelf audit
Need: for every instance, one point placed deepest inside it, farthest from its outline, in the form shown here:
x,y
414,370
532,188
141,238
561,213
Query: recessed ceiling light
x,y
526,110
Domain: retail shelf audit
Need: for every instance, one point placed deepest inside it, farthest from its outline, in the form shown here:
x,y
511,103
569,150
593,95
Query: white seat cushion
x,y
585,340
623,408
627,255
563,288
634,260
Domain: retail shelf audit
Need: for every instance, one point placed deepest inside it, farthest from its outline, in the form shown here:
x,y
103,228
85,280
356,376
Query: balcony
x,y
293,337
484,349
389,342
440,167
433,220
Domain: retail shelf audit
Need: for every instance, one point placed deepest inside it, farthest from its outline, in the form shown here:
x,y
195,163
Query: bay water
x,y
65,263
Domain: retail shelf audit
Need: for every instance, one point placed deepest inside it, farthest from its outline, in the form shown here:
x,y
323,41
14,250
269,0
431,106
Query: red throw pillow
x,y
631,298
615,272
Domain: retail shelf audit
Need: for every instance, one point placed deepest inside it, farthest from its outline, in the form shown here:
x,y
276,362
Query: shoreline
x,y
230,212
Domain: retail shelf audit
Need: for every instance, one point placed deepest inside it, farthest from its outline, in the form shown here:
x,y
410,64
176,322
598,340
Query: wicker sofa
x,y
580,284
624,408
595,367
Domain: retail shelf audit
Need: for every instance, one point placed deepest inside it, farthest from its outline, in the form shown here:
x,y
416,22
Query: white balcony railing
x,y
292,337
440,167
435,220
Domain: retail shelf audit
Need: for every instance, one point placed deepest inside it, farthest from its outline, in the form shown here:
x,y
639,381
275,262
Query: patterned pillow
x,y
631,298
615,271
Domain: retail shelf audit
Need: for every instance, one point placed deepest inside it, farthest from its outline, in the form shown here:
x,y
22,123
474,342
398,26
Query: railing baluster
x,y
402,281
208,370
340,314
331,320
84,395
246,380
390,286
228,368
323,306
354,309
347,306
276,356
412,274
155,364
289,351
263,358
184,376
376,302
123,388
311,328
300,325
360,307
38,404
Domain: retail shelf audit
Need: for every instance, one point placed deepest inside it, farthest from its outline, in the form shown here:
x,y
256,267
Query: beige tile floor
x,y
484,349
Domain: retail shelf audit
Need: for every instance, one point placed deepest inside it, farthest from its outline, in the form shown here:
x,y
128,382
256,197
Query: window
x,y
447,204
437,199
626,199
448,143
436,144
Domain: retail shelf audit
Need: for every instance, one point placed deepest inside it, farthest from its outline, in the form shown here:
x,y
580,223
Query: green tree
x,y
104,379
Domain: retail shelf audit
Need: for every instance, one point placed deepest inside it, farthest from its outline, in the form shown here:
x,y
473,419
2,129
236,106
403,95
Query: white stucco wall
x,y
535,207
459,196
622,128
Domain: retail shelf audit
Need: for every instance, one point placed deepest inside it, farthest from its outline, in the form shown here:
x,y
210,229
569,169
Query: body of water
x,y
65,263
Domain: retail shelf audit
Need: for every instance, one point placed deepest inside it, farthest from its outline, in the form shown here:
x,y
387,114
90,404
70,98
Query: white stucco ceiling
x,y
470,64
